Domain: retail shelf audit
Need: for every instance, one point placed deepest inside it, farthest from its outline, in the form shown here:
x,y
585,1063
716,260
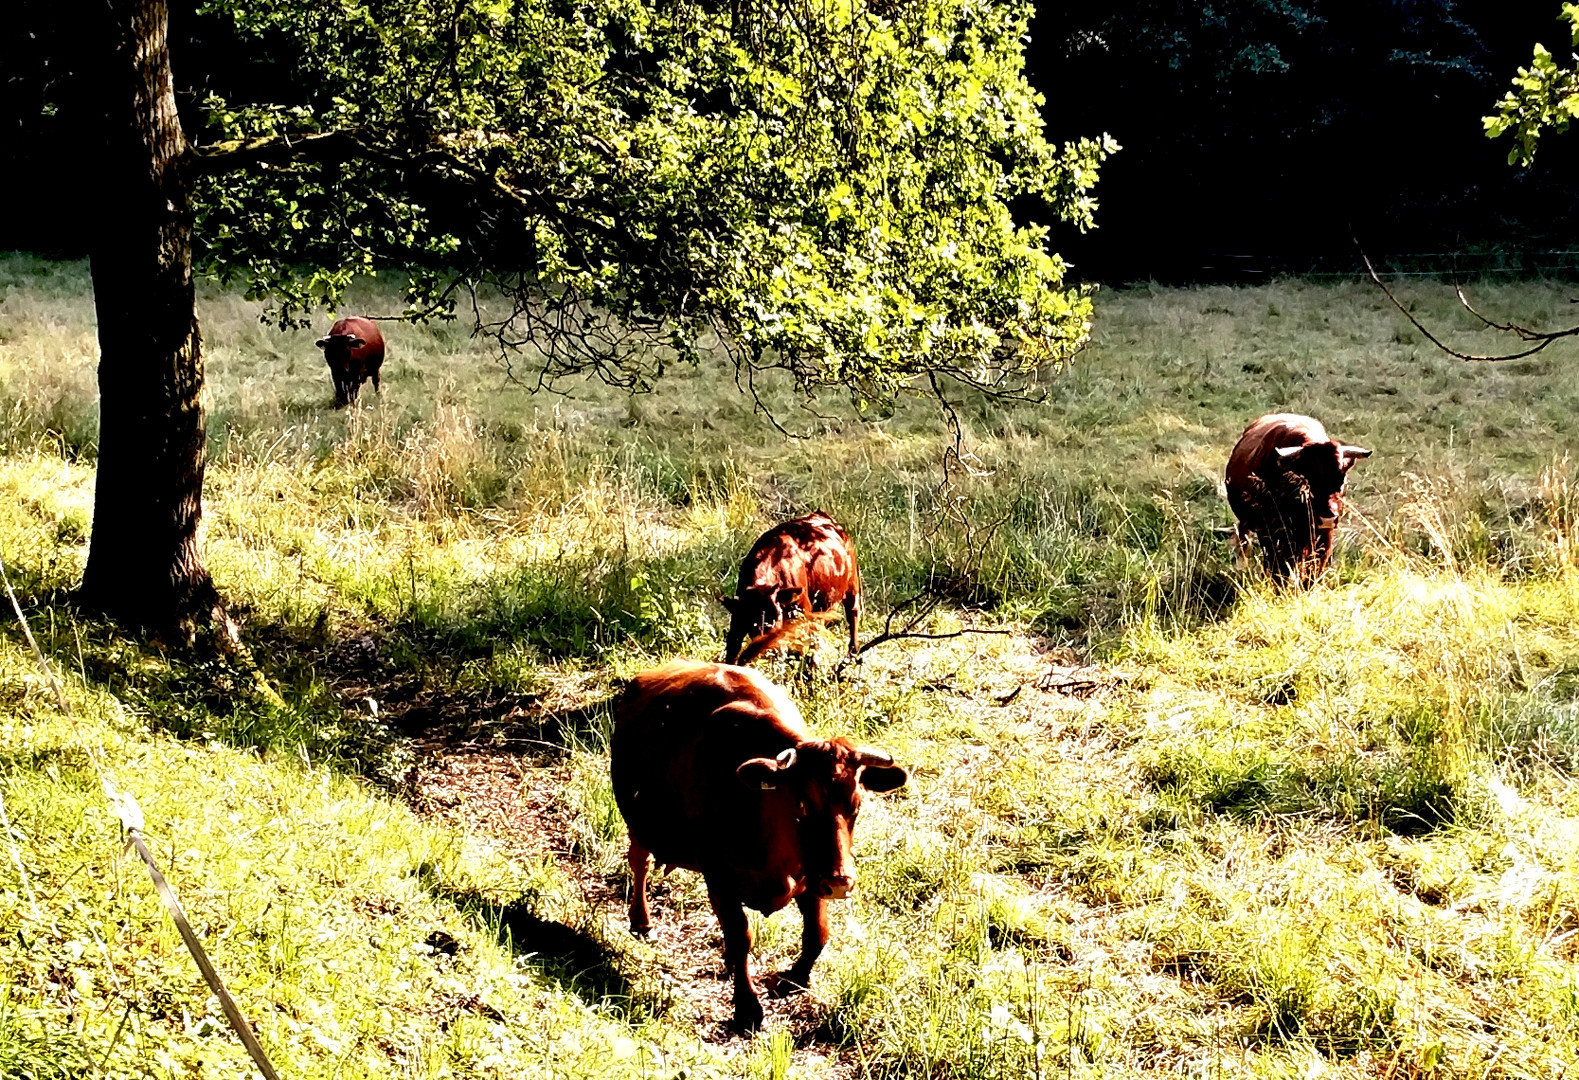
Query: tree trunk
x,y
144,565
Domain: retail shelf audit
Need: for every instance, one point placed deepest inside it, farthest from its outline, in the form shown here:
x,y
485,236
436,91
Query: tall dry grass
x,y
1175,822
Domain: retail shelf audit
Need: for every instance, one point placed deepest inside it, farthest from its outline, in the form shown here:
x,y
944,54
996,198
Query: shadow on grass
x,y
396,664
463,666
576,958
1400,790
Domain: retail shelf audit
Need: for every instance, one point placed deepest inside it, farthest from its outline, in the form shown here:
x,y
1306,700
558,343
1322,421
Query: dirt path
x,y
498,767
481,767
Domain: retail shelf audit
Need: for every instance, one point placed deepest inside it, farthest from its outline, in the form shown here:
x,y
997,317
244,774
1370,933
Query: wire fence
x,y
1250,268
1562,263
124,806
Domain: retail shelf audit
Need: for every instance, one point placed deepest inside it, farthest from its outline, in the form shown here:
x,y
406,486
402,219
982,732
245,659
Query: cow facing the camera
x,y
354,351
714,772
1285,485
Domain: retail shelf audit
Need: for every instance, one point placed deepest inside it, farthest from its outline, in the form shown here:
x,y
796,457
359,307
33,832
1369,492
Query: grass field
x,y
1171,822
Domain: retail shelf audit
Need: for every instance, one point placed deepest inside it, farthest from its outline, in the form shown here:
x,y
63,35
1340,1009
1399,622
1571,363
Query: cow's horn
x,y
1354,451
866,755
1288,451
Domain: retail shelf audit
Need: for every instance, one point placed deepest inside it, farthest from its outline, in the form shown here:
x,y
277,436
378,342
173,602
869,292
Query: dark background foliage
x,y
46,161
1259,135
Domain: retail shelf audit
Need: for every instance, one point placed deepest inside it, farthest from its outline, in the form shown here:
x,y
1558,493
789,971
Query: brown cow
x,y
1285,484
797,568
714,772
354,349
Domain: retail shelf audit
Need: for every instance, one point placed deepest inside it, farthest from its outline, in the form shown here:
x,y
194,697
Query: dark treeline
x,y
1264,135
47,176
1259,135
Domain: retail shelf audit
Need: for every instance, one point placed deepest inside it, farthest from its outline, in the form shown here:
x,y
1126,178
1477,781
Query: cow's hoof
x,y
785,984
642,931
748,1016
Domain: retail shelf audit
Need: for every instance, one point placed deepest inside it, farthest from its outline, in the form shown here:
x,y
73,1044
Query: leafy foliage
x,y
824,187
1544,95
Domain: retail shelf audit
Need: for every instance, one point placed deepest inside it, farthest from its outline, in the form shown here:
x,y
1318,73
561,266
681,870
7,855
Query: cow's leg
x,y
1282,555
1317,555
1281,544
641,915
852,613
1241,543
813,938
737,954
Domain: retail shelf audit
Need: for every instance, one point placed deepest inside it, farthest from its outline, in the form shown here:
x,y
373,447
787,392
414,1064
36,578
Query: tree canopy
x,y
1545,95
609,188
825,187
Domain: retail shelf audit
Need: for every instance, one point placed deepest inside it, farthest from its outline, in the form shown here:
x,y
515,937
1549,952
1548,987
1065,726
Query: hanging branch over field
x,y
615,190
1540,338
905,619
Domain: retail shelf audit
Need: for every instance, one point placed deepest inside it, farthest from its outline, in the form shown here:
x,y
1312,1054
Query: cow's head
x,y
347,377
755,612
1323,465
827,778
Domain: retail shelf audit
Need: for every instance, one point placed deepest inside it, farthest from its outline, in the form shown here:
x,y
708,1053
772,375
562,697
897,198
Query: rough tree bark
x,y
144,564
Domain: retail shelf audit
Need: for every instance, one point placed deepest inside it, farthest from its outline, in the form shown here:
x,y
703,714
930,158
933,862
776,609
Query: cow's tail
x,y
787,634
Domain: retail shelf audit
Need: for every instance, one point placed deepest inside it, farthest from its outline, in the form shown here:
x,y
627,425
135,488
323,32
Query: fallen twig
x,y
908,631
1080,681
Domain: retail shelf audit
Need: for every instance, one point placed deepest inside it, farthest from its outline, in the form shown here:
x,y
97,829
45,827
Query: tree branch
x,y
908,631
320,146
1541,339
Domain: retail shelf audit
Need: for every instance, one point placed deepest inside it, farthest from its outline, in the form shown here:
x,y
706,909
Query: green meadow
x,y
1164,819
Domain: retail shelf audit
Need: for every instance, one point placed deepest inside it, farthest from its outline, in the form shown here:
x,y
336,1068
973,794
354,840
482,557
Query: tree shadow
x,y
365,698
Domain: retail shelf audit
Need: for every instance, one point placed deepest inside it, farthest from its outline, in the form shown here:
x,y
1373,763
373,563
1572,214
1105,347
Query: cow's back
x,y
371,351
1262,438
812,553
1256,448
680,731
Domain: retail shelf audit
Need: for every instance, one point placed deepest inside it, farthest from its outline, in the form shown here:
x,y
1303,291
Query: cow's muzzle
x,y
837,887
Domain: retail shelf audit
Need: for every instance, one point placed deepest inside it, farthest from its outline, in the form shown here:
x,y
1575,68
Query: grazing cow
x,y
714,772
354,350
797,568
1285,484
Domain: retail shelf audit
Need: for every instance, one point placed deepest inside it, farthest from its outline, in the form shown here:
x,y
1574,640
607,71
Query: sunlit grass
x,y
1323,833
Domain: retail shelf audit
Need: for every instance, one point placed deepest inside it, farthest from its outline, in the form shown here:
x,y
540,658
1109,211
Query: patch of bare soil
x,y
496,767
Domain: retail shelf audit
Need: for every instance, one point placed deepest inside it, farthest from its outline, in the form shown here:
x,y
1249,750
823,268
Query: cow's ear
x,y
322,343
357,343
786,597
883,777
765,772
731,603
1348,455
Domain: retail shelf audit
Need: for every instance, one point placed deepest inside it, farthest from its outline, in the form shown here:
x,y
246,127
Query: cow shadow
x,y
579,958
518,725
